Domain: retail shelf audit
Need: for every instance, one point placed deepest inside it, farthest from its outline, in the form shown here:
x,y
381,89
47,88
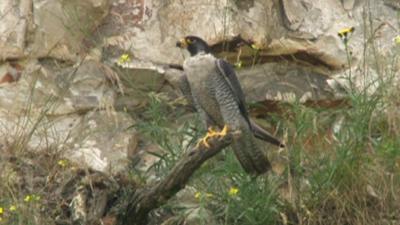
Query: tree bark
x,y
143,200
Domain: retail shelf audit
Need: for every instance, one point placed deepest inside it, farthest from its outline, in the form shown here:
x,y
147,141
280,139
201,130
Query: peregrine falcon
x,y
219,99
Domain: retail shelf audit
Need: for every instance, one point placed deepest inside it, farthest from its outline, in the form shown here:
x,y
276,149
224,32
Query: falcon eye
x,y
189,41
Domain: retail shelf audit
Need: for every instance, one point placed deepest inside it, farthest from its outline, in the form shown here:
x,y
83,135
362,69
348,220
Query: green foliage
x,y
159,129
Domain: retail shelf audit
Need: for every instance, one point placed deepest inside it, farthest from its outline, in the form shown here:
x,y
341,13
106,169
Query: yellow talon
x,y
212,133
204,141
224,131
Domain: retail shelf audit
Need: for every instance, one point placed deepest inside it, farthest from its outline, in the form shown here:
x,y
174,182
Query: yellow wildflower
x,y
28,198
1,210
124,58
238,64
62,162
343,33
13,208
197,195
33,197
397,40
233,191
36,197
255,47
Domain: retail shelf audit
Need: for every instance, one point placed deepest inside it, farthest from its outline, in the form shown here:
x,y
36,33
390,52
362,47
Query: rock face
x,y
56,78
284,82
300,34
47,28
102,141
69,110
281,27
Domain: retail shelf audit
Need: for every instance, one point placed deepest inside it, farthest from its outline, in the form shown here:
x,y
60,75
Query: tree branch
x,y
142,201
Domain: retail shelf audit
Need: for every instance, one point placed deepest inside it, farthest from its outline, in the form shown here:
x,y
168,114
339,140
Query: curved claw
x,y
212,133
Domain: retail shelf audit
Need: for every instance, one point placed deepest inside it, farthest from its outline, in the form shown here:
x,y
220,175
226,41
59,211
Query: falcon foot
x,y
212,133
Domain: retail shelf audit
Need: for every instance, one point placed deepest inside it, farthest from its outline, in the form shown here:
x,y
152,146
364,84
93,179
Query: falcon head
x,y
194,45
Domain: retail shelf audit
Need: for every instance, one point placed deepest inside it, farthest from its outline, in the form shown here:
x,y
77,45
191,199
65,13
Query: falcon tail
x,y
264,135
249,154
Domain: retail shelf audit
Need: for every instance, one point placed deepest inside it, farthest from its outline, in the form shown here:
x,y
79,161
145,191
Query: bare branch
x,y
141,202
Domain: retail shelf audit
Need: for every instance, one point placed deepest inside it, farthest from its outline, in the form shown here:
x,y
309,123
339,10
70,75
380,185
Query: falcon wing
x,y
229,74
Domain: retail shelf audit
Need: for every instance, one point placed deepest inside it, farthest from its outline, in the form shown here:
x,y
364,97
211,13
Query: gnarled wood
x,y
143,200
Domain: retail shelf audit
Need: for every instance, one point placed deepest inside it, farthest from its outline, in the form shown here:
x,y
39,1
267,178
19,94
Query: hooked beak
x,y
182,43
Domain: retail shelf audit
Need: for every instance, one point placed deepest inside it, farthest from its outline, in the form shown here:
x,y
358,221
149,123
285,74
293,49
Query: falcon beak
x,y
182,43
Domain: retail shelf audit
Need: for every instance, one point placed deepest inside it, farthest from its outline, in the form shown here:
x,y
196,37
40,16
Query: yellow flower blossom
x,y
124,58
36,197
1,210
233,191
28,198
13,208
33,197
238,64
255,47
62,162
397,40
197,195
343,33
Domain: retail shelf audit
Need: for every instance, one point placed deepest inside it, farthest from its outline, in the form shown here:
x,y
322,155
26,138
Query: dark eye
x,y
189,40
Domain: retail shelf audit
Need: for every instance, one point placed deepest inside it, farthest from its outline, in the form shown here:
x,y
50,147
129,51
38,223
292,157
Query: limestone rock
x,y
393,3
303,32
86,86
10,72
68,89
101,141
68,108
13,27
61,26
47,28
284,82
